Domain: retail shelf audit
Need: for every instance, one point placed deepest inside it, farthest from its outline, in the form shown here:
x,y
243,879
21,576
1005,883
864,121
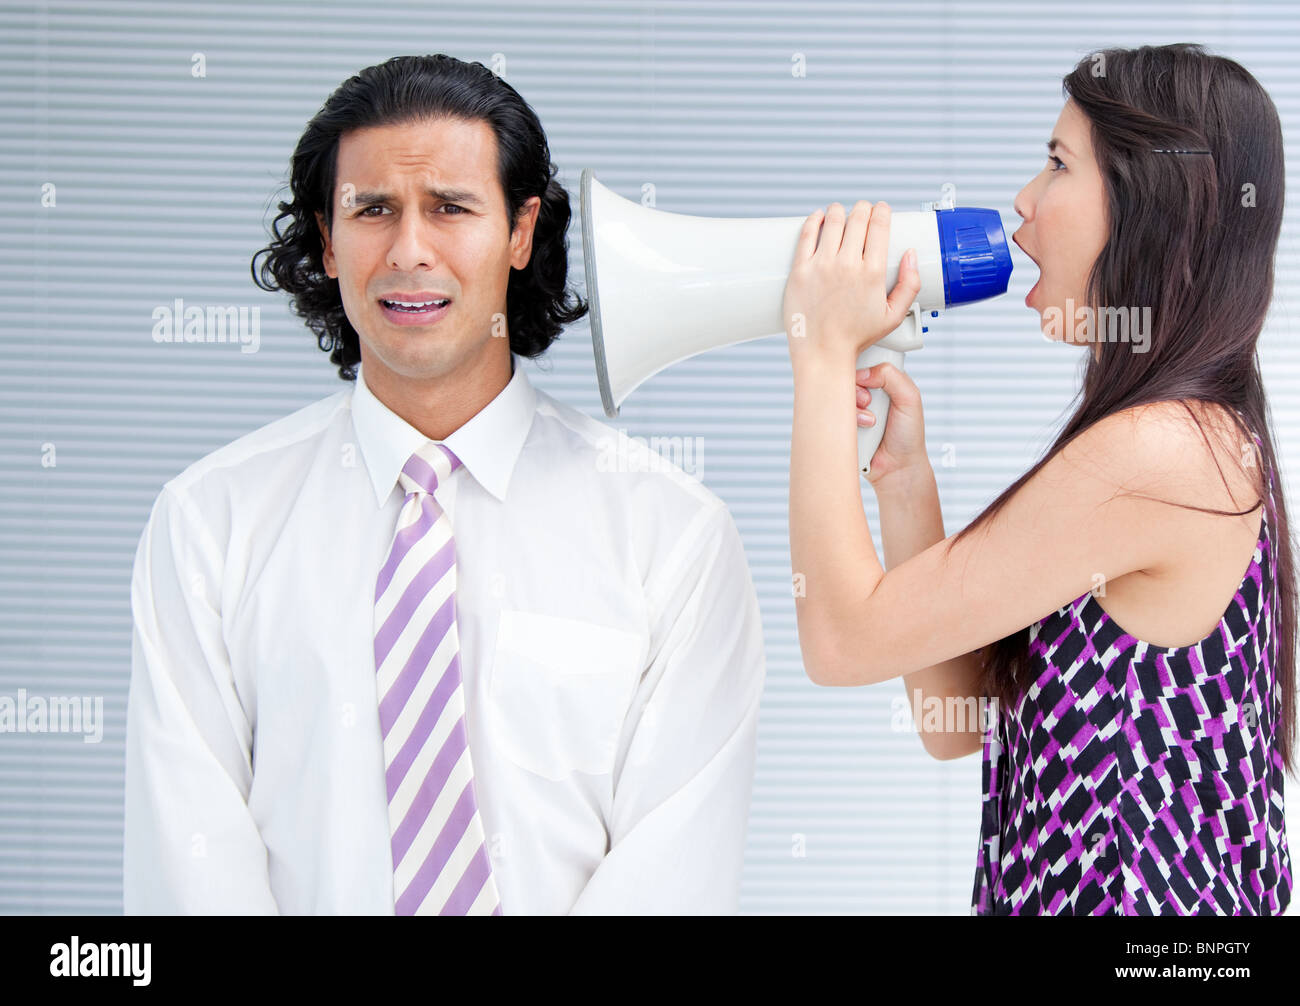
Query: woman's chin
x,y
1042,319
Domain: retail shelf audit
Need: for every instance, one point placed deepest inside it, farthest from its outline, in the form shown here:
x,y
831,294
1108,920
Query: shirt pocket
x,y
560,691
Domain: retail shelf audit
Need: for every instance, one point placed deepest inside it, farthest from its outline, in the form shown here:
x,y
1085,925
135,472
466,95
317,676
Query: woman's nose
x,y
1027,198
1023,205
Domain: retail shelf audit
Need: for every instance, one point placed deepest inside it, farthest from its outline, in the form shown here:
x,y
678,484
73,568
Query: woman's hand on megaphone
x,y
902,449
835,300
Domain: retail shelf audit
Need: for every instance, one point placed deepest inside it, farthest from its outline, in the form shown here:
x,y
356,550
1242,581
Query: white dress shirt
x,y
611,652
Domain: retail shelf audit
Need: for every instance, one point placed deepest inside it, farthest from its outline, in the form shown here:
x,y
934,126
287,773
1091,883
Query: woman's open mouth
x,y
1031,258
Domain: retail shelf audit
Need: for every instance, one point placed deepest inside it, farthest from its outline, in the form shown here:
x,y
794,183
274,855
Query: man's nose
x,y
414,244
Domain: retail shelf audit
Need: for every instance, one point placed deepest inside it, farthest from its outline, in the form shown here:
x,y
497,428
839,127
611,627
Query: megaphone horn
x,y
666,286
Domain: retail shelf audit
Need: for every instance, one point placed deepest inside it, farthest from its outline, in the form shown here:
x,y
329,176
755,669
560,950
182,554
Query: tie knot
x,y
427,467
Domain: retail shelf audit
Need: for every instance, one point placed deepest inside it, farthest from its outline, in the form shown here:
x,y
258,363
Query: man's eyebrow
x,y
442,195
1055,142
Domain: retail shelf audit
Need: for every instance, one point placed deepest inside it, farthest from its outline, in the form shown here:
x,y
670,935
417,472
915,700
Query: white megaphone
x,y
665,286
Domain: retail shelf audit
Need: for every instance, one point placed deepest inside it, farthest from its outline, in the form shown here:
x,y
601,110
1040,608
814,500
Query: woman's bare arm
x,y
910,522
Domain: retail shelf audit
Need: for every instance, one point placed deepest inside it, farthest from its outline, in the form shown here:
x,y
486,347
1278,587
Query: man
x,y
437,643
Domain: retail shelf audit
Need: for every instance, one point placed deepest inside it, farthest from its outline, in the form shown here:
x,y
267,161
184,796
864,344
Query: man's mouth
x,y
420,308
415,306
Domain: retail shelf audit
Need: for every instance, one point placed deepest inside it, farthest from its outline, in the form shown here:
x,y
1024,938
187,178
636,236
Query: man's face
x,y
419,216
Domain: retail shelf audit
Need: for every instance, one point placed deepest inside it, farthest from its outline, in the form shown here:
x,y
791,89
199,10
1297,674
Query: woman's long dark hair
x,y
1193,236
409,89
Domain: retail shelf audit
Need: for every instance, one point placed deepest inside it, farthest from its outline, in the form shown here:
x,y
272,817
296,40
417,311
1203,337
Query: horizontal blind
x,y
163,184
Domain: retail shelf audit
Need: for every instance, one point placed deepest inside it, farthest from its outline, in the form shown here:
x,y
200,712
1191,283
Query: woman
x,y
1144,688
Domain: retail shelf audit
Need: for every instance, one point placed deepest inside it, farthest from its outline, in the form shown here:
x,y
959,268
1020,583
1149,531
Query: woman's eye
x,y
1057,161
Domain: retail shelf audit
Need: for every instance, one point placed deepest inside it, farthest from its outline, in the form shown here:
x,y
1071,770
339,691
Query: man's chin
x,y
404,359
419,354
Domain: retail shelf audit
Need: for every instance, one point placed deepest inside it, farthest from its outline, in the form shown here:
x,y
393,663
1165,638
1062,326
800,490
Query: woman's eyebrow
x,y
1055,142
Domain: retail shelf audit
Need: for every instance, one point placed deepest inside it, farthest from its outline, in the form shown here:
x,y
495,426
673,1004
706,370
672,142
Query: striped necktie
x,y
440,860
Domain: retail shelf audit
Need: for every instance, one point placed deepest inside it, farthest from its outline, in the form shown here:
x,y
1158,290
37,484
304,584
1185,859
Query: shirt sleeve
x,y
684,778
190,844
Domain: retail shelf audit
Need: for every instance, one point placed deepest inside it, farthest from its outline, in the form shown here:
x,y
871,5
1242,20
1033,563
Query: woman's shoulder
x,y
1188,450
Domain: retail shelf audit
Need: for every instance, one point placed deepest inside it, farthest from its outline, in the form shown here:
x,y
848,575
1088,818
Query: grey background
x,y
165,182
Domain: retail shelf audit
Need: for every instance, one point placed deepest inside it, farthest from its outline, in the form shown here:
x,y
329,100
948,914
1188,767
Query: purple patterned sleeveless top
x,y
1134,779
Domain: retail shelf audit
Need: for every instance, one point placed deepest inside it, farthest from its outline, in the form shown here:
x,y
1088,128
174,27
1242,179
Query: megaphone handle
x,y
869,436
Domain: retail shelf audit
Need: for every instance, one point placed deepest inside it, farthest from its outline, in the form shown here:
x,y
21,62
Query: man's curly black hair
x,y
409,89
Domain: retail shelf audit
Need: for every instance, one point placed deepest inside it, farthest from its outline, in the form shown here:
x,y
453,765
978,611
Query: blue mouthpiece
x,y
976,262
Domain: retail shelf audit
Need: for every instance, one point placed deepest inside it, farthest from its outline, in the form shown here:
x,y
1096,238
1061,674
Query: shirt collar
x,y
488,444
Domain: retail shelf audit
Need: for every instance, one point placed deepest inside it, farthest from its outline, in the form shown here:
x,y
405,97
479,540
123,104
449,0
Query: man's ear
x,y
327,255
521,238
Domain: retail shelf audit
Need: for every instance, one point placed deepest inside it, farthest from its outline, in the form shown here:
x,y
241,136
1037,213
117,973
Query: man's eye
x,y
1057,161
445,206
